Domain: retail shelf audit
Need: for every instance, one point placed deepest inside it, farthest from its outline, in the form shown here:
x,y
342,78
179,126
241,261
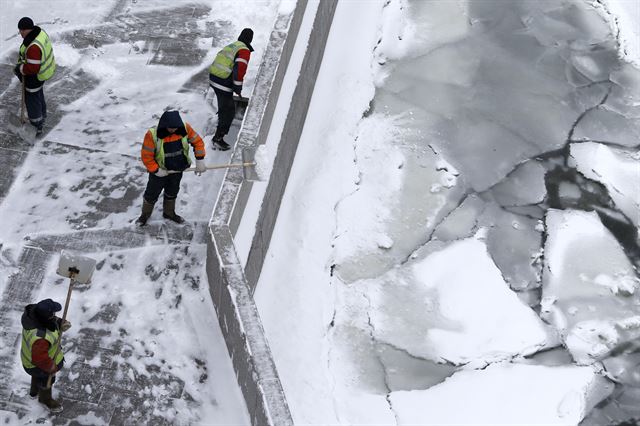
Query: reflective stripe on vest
x,y
29,337
159,152
48,61
222,65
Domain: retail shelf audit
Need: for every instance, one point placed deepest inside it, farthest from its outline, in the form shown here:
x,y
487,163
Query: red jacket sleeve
x,y
40,356
240,68
34,58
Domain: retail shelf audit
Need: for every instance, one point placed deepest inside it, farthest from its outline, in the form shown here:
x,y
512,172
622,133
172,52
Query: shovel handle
x,y
216,166
23,119
64,317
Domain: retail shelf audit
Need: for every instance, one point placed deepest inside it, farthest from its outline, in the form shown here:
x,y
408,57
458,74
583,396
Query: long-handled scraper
x,y
251,170
78,269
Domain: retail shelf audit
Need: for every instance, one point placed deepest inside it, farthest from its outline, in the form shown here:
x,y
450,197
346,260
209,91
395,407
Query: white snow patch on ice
x,y
589,285
626,20
441,307
505,394
378,188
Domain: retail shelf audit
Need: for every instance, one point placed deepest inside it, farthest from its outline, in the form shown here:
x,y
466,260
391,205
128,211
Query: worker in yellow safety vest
x,y
36,64
41,352
226,75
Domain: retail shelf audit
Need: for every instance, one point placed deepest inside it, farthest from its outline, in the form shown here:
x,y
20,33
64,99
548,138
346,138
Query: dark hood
x,y
171,119
30,319
246,36
31,36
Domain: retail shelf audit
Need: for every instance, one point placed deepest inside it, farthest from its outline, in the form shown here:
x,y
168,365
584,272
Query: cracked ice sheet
x,y
617,169
145,340
356,366
590,289
505,394
435,309
517,98
407,189
406,186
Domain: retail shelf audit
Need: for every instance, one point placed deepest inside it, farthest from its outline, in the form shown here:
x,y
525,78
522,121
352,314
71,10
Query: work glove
x,y
17,72
162,172
201,167
65,325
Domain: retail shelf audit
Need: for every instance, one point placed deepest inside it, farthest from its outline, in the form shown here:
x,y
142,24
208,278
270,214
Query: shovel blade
x,y
241,104
249,171
80,268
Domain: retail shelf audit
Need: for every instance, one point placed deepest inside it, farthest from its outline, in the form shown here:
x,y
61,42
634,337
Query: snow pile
x,y
263,162
505,394
442,307
590,287
617,169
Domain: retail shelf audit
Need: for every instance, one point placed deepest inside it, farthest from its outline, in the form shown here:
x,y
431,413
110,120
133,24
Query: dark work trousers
x,y
170,184
36,106
42,377
226,111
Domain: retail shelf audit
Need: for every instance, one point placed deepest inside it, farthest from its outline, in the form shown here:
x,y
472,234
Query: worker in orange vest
x,y
165,154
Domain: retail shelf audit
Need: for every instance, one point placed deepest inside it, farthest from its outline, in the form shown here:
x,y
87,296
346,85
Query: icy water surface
x,y
528,110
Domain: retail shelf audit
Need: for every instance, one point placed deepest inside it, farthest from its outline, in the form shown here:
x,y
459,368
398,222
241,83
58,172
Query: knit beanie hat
x,y
246,36
25,24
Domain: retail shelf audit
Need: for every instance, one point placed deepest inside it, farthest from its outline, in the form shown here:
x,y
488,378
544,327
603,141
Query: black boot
x,y
33,390
219,143
147,209
169,211
44,397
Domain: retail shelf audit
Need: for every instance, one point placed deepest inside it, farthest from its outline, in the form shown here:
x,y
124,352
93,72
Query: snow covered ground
x,y
458,240
144,347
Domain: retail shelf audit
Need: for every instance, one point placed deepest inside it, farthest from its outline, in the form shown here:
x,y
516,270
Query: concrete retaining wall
x,y
231,290
289,140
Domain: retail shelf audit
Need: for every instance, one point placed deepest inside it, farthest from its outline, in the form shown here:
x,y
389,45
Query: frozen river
x,y
474,203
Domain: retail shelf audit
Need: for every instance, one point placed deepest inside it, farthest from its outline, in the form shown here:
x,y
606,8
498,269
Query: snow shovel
x,y
241,104
78,269
248,165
